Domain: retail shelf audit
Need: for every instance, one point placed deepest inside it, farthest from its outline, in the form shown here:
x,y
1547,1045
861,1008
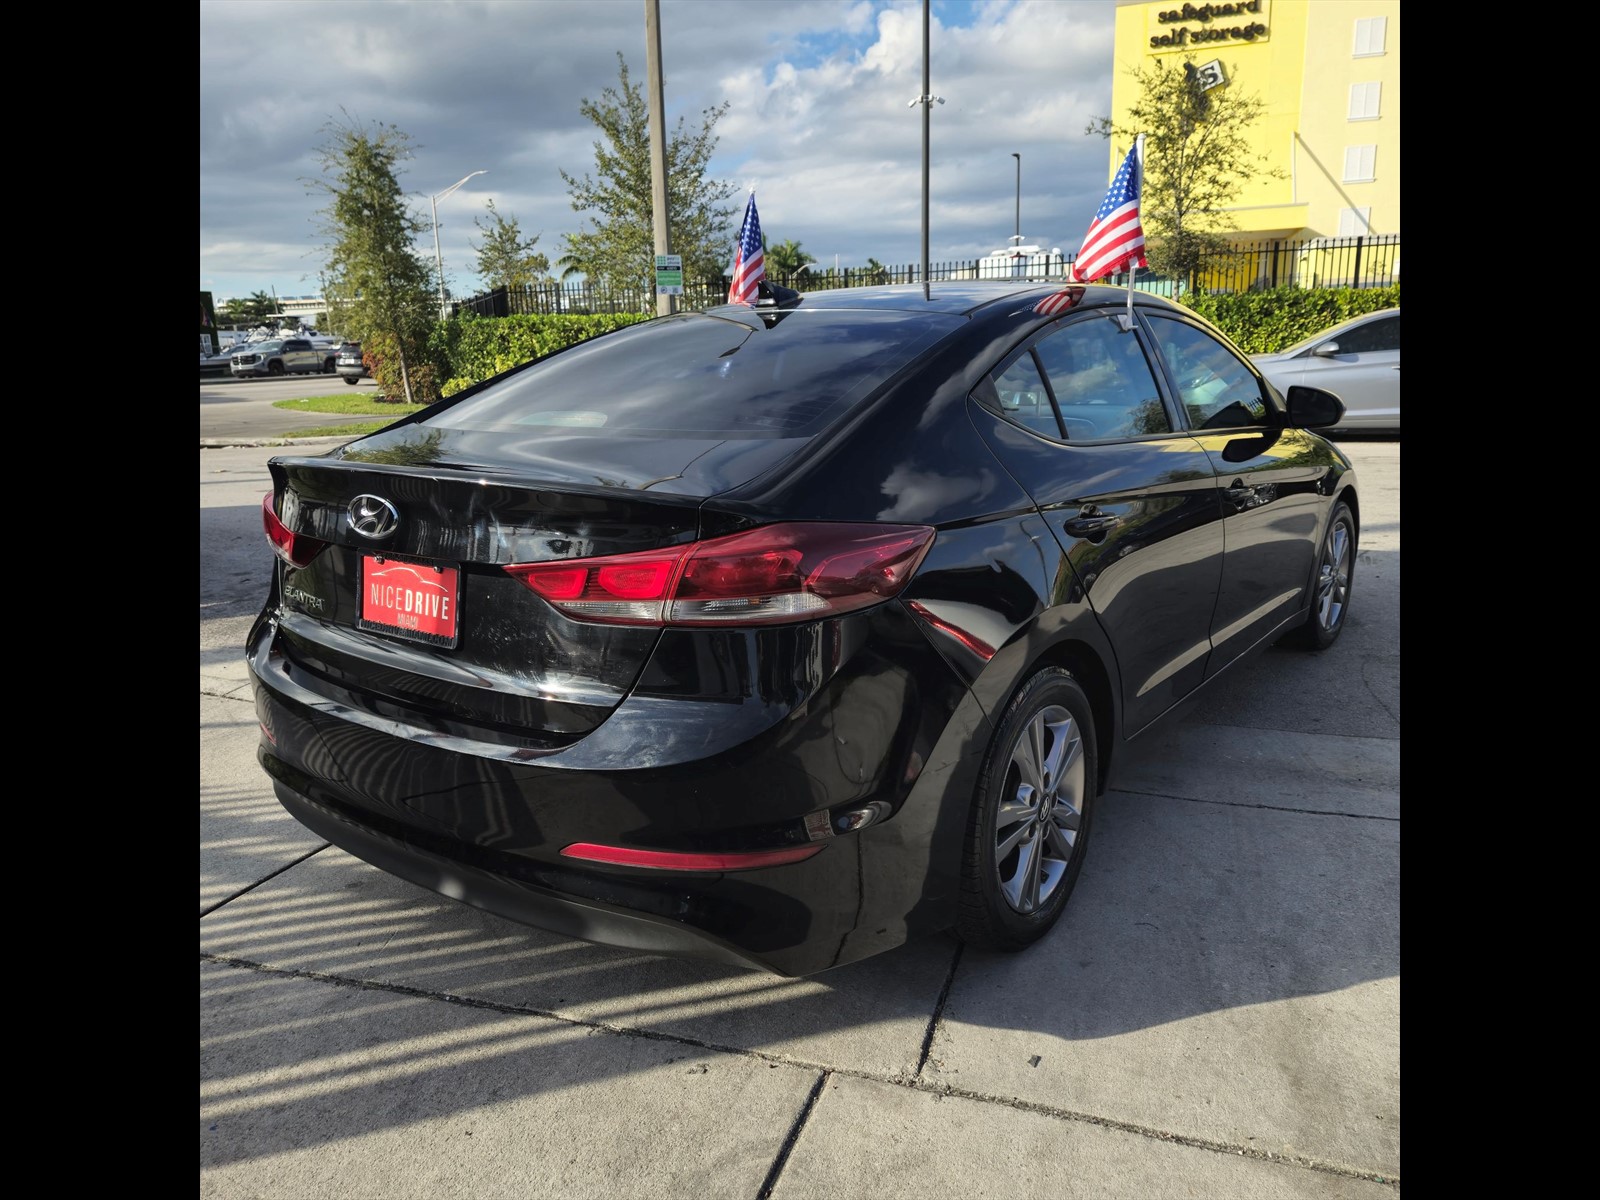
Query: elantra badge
x,y
373,517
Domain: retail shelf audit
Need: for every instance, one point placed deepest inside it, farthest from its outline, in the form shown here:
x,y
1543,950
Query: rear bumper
x,y
485,822
528,903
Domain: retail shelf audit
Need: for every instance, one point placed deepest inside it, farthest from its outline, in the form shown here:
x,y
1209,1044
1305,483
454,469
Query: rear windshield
x,y
700,375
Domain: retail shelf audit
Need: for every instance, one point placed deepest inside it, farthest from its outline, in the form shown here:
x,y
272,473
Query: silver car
x,y
1357,360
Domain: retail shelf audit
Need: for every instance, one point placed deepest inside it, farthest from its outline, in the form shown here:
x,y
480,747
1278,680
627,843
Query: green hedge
x,y
1268,321
468,350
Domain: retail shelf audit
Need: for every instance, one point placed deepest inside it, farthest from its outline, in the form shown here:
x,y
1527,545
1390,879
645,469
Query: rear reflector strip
x,y
669,860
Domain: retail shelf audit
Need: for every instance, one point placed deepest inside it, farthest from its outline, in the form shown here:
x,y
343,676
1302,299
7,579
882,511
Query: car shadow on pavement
x,y
1241,891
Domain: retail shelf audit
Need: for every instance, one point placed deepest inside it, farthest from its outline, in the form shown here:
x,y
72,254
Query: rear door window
x,y
1103,384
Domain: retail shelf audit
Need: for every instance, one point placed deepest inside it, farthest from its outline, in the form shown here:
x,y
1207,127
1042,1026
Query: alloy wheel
x,y
1333,579
1041,809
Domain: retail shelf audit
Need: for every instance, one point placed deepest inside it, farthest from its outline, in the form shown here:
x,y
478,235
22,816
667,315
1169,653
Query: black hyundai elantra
x,y
781,634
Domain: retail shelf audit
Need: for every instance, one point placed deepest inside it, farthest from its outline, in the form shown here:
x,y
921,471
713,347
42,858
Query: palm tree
x,y
786,258
569,267
876,271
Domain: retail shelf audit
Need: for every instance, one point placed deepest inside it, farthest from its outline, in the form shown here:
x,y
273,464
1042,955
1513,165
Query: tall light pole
x,y
1016,235
927,101
660,218
438,258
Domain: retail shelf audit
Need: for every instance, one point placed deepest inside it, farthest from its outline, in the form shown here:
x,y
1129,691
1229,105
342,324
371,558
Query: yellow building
x,y
1328,74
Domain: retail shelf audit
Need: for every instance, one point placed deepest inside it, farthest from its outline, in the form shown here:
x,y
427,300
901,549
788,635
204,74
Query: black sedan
x,y
781,634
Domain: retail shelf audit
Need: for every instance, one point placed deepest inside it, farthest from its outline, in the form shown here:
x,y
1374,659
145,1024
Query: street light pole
x,y
1016,235
438,257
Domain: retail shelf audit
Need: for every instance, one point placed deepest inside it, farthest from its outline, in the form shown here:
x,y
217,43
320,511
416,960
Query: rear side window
x,y
697,375
1022,397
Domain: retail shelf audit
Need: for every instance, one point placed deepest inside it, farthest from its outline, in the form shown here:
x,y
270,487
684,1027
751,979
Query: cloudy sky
x,y
818,122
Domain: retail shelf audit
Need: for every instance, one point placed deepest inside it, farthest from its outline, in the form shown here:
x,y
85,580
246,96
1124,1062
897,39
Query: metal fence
x,y
1311,263
1361,262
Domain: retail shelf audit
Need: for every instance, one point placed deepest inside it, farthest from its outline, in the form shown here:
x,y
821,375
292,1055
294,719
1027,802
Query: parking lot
x,y
1217,1013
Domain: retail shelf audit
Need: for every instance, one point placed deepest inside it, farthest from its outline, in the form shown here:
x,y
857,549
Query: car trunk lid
x,y
408,612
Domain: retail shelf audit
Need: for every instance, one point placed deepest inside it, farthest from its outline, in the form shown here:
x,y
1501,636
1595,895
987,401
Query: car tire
x,y
1028,829
351,382
275,368
1330,585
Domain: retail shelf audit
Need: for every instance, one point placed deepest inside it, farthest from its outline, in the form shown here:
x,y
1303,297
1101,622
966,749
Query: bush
x,y
1267,321
467,350
381,356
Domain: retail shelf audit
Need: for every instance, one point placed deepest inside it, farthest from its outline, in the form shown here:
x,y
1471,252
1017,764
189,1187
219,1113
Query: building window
x,y
1359,162
1364,101
1369,36
1355,222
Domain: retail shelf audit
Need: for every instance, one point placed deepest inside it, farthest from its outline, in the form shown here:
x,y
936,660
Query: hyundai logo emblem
x,y
373,516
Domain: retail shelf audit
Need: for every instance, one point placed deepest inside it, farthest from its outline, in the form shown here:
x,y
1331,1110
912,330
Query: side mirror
x,y
1326,350
1313,408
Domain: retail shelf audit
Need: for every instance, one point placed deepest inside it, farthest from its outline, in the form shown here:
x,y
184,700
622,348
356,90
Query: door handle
x,y
1238,495
1091,524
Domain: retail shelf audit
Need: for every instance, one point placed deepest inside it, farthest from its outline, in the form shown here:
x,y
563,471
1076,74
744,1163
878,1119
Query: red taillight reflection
x,y
627,582
558,583
673,860
775,574
296,549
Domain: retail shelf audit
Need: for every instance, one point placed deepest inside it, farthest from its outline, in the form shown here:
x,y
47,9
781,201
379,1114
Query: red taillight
x,y
674,860
296,549
775,574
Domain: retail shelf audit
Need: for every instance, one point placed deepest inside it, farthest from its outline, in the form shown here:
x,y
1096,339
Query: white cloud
x,y
819,118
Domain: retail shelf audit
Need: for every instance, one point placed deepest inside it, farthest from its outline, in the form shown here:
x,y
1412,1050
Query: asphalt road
x,y
1216,1015
240,410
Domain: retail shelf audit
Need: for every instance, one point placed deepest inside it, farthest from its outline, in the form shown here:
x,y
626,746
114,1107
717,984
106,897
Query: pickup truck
x,y
285,356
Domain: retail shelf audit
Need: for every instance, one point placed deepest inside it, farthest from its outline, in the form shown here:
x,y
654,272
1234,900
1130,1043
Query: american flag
x,y
1115,240
750,266
1058,302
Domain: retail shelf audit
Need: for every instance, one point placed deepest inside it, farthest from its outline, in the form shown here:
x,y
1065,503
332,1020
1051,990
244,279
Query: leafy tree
x,y
1197,159
876,271
786,258
505,258
382,285
618,250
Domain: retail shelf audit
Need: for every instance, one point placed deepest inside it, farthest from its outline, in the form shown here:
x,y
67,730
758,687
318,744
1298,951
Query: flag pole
x,y
1138,161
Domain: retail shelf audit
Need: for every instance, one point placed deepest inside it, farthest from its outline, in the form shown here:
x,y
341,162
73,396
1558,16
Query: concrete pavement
x,y
1216,1015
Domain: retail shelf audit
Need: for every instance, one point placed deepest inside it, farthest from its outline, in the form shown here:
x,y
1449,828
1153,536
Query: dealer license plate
x,y
413,600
